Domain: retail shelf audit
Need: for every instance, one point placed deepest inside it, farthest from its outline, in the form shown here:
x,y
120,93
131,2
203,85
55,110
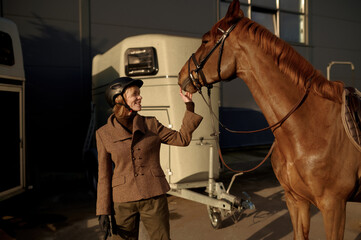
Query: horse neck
x,y
274,92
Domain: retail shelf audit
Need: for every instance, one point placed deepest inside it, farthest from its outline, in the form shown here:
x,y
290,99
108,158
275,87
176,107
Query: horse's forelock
x,y
223,24
215,30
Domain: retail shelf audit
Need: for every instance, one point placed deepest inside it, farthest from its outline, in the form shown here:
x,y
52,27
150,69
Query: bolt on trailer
x,y
12,121
157,59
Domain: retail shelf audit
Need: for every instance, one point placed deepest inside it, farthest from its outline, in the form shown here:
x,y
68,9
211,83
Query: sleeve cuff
x,y
190,106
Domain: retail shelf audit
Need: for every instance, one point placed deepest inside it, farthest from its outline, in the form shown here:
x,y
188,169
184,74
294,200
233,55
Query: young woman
x,y
131,182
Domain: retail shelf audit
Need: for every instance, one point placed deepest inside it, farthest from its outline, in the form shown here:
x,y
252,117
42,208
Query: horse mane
x,y
289,61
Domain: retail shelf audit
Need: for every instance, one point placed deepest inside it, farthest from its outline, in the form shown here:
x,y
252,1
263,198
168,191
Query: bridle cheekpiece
x,y
200,82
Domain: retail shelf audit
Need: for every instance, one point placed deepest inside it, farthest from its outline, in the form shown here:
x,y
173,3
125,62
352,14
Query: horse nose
x,y
185,83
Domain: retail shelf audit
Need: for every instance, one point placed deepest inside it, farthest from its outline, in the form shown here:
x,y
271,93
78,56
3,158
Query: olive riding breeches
x,y
153,212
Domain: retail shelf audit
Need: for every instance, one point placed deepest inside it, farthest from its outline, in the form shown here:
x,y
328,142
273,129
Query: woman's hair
x,y
119,109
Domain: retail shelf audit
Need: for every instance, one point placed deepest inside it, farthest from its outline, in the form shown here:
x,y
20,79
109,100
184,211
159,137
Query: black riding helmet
x,y
118,86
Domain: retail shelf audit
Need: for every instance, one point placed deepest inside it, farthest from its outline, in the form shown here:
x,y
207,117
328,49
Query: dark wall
x,y
57,92
56,116
114,20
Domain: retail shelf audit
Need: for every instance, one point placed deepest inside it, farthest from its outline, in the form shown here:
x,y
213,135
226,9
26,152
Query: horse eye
x,y
204,41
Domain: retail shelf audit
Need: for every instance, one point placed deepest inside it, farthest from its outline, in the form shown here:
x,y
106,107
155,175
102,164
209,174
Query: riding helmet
x,y
118,86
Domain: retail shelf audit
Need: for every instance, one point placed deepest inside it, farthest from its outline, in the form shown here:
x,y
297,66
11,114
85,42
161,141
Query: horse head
x,y
199,70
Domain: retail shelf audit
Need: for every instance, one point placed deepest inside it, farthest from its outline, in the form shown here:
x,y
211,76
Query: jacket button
x,y
136,175
133,158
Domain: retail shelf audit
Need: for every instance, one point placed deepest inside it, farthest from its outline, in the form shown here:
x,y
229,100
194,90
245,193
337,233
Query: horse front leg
x,y
334,216
299,209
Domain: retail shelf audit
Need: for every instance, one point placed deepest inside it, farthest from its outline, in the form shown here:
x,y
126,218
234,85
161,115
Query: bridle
x,y
199,82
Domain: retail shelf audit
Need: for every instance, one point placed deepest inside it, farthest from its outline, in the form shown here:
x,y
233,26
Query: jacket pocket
x,y
118,181
157,172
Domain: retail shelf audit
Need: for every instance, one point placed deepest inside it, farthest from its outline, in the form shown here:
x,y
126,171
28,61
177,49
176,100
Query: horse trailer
x,y
12,121
157,59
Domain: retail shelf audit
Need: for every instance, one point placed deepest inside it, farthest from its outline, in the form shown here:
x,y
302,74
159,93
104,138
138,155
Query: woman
x,y
136,187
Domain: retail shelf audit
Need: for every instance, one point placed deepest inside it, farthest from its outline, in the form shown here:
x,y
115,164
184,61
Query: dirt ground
x,y
70,215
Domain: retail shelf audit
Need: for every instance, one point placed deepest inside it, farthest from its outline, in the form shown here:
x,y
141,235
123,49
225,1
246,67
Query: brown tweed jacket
x,y
137,172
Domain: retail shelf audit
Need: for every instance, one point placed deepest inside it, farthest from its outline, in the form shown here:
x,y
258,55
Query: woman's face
x,y
132,98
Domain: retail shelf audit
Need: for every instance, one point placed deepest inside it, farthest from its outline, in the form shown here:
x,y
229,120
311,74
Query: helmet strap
x,y
125,104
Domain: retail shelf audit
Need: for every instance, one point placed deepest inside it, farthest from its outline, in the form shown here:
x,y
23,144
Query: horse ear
x,y
234,11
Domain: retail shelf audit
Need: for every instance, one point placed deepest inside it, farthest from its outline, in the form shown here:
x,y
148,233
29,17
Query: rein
x,y
275,126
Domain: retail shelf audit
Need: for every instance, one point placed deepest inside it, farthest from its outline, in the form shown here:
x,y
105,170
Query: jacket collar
x,y
138,124
118,132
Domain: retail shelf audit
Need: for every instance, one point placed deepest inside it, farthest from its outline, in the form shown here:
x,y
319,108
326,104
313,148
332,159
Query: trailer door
x,y
11,137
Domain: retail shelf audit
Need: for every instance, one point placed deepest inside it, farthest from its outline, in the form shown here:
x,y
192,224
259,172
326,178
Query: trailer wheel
x,y
215,217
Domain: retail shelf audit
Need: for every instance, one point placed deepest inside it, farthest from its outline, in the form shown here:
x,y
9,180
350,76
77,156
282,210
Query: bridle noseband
x,y
196,81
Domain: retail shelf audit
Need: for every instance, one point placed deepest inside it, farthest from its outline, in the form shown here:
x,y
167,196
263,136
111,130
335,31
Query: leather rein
x,y
198,84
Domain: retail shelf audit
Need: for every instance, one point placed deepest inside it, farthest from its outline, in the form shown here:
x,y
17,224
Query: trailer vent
x,y
141,61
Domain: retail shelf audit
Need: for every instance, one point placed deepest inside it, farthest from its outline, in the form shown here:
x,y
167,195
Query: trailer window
x,y
141,61
6,49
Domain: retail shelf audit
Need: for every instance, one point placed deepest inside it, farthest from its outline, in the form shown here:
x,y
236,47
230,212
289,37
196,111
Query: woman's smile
x,y
133,98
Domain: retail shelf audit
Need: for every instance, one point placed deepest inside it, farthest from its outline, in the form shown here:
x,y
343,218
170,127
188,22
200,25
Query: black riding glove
x,y
104,224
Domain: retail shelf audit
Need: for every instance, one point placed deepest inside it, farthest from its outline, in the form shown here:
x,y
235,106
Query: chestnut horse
x,y
313,158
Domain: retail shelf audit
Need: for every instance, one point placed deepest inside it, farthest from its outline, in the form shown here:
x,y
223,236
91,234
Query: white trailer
x,y
12,104
157,59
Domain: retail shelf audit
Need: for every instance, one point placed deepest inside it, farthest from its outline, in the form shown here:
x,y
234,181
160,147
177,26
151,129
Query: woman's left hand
x,y
186,97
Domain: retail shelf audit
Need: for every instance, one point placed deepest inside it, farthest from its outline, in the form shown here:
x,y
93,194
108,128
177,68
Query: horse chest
x,y
290,177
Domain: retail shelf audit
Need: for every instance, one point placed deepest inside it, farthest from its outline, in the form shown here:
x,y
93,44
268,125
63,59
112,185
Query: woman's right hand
x,y
186,97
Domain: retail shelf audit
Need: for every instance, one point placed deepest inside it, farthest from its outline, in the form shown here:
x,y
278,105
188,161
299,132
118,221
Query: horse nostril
x,y
185,83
